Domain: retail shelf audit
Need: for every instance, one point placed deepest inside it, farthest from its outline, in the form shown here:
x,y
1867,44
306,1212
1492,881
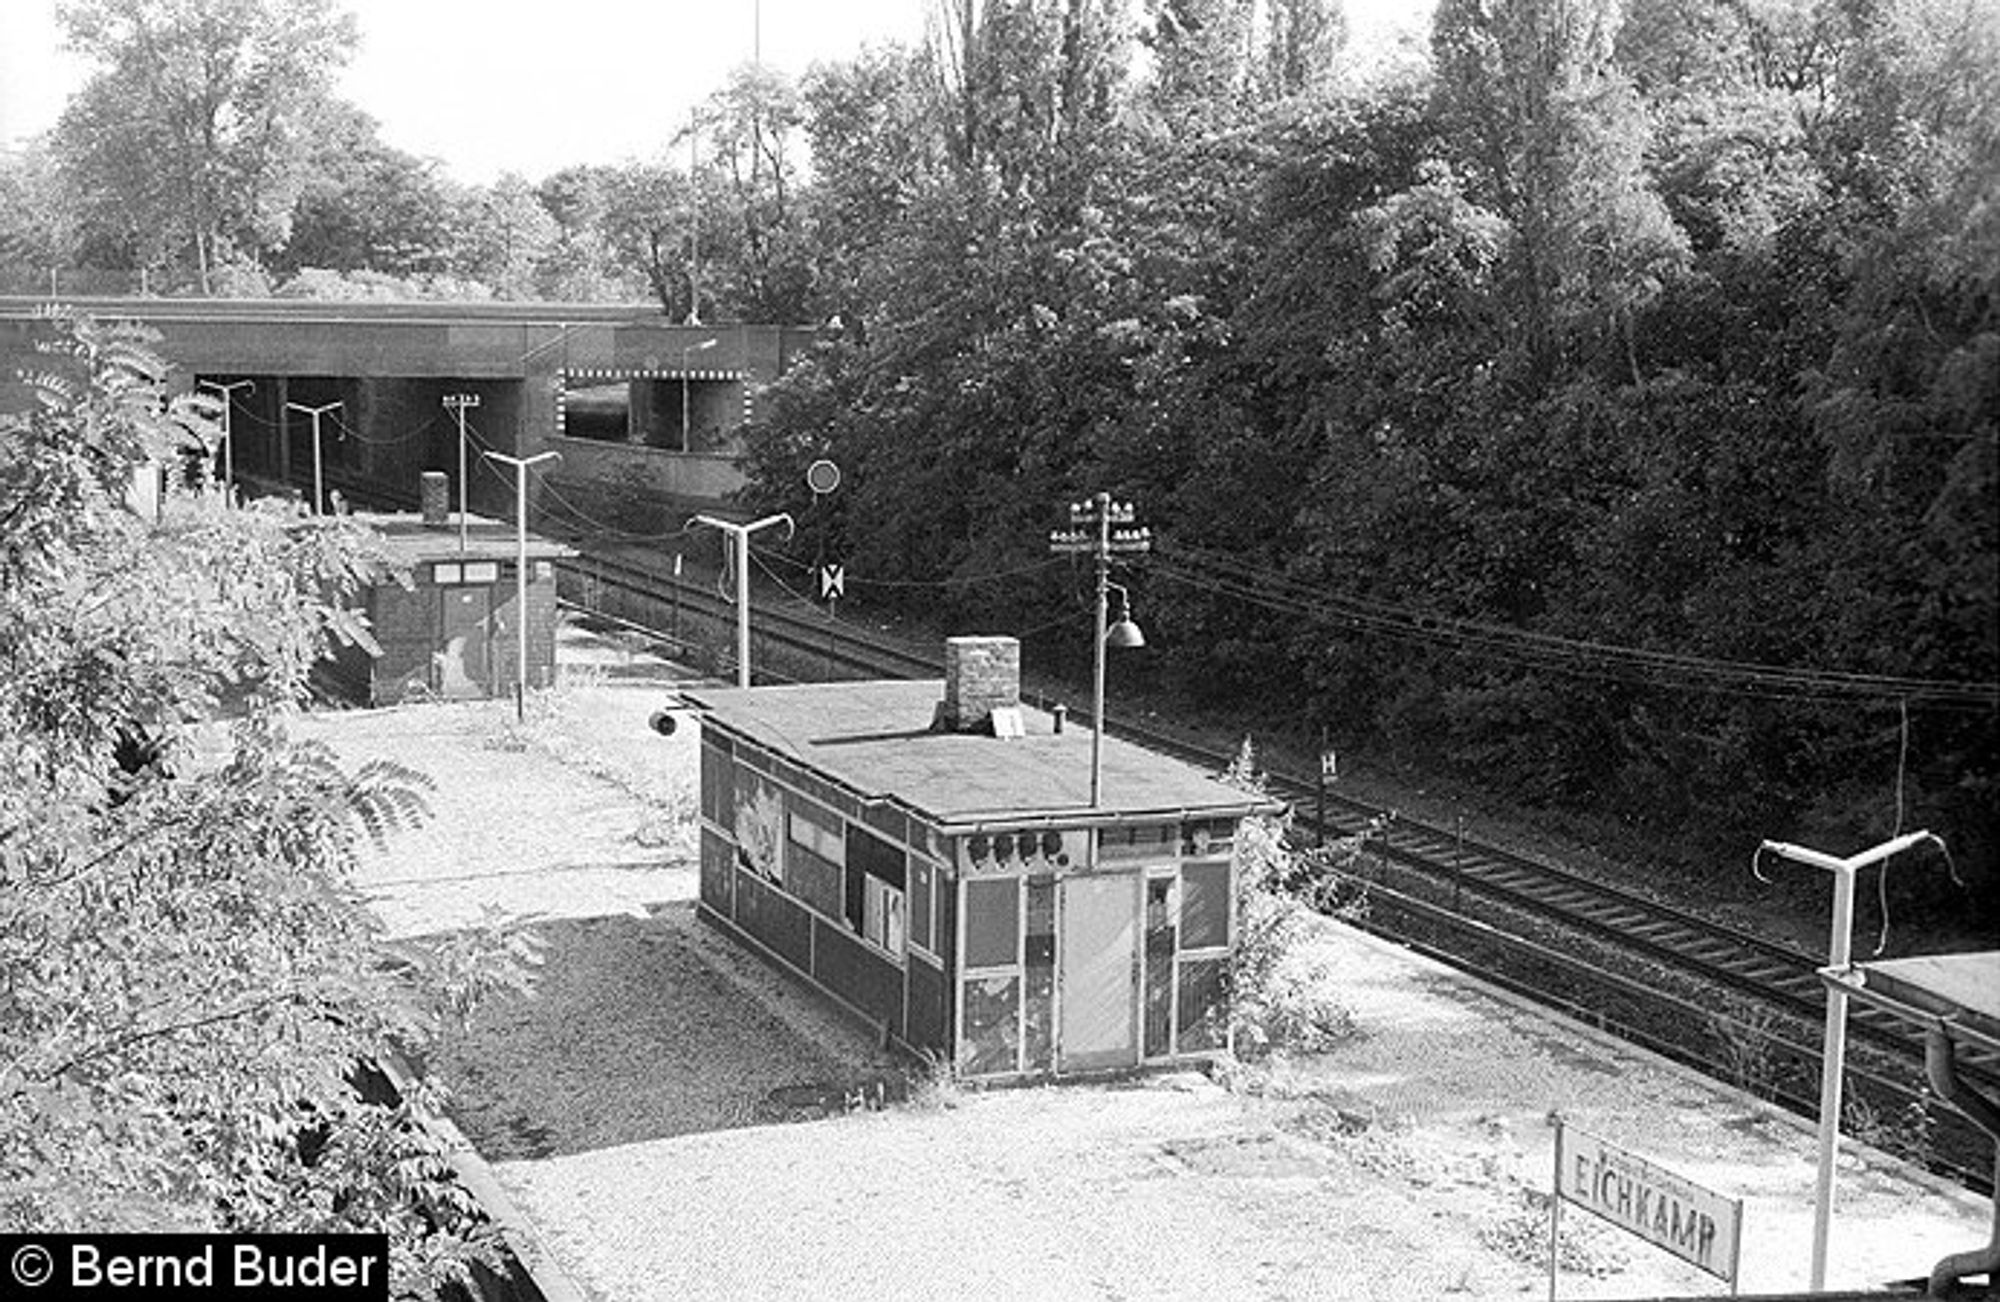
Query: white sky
x,y
498,85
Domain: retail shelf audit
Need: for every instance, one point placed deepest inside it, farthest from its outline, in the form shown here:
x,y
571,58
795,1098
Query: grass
x,y
1742,1031
557,725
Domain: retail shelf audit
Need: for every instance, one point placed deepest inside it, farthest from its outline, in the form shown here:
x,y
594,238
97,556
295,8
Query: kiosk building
x,y
446,624
927,853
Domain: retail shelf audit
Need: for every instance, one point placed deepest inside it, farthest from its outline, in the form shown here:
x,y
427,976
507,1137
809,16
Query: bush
x,y
1282,994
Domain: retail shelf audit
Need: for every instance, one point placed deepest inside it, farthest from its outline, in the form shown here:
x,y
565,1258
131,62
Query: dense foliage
x,y
1600,406
190,984
1605,415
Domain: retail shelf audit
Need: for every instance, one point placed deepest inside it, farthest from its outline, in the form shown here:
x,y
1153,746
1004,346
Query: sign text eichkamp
x,y
1700,1227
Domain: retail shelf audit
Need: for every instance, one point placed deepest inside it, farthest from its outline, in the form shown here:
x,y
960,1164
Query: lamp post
x,y
228,392
521,574
318,479
458,402
1834,1051
1091,531
742,532
694,223
687,430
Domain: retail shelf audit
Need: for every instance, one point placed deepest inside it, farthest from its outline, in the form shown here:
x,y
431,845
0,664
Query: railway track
x,y
1654,973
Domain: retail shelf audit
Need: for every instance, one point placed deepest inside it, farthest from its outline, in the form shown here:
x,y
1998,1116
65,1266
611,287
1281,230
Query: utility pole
x,y
319,501
757,100
694,224
742,532
1091,532
1834,1051
521,574
228,392
458,402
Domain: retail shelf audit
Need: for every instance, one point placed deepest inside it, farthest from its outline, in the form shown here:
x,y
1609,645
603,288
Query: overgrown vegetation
x,y
551,723
1604,415
1281,996
190,985
1908,1131
1742,1031
1520,1232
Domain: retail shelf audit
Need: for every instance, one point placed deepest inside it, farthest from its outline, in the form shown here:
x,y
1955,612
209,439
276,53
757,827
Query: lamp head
x,y
1123,634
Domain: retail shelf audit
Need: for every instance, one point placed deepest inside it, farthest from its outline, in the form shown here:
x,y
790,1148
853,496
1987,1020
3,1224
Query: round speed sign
x,y
822,476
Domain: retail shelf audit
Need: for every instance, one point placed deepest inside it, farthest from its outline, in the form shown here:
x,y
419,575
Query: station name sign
x,y
1696,1225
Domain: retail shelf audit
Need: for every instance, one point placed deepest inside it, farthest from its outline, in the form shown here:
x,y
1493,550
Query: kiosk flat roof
x,y
875,739
409,540
1963,989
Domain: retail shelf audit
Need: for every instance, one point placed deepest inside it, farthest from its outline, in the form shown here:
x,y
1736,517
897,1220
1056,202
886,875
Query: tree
x,y
582,265
505,237
192,133
1675,336
648,218
751,128
1556,139
366,206
874,154
1304,37
36,230
190,983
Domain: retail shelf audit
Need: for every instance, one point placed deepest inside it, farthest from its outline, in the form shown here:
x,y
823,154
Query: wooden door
x,y
464,659
1099,928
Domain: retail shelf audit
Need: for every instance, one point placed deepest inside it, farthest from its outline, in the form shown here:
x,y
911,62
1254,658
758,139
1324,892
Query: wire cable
x,y
1230,577
965,581
598,529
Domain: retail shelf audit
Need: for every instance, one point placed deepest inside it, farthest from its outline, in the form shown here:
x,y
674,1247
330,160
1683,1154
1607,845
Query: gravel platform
x,y
621,1113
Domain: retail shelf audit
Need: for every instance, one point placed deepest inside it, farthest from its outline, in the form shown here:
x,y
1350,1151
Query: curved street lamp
x,y
741,533
1091,532
521,467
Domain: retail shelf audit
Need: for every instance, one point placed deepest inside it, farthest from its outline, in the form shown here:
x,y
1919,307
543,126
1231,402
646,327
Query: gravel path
x,y
1405,1165
1408,1164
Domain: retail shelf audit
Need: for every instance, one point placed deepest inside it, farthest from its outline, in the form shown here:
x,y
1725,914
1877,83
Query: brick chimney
x,y
435,498
982,675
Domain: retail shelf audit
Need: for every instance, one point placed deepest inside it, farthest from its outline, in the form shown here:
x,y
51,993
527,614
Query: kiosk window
x,y
993,922
920,906
1204,906
876,875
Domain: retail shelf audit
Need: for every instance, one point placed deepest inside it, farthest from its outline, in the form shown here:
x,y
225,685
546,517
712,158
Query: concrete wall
x,y
390,365
641,489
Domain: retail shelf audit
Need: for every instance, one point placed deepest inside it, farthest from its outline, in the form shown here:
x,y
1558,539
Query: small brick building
x,y
927,853
451,634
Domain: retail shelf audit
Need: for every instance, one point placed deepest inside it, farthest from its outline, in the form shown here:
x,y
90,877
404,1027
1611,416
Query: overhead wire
x,y
1600,661
575,512
960,581
1224,575
783,586
1308,599
1236,578
340,425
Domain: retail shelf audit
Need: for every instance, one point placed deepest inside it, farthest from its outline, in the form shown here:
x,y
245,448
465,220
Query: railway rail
x,y
1639,967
